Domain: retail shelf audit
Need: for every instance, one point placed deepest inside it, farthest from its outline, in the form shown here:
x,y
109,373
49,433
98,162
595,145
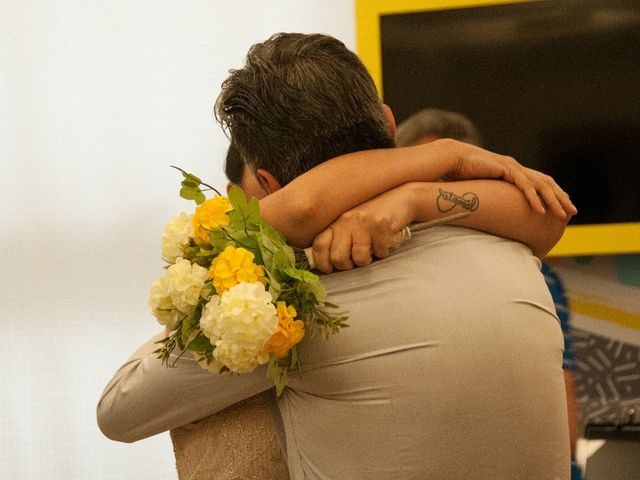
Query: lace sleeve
x,y
238,443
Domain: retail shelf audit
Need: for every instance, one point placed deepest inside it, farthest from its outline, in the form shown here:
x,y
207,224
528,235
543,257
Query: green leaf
x,y
294,356
248,215
237,197
201,344
281,382
277,373
218,239
200,198
302,275
315,289
185,331
189,324
275,286
247,240
191,178
273,236
203,252
245,216
190,184
253,208
272,366
276,254
189,193
191,252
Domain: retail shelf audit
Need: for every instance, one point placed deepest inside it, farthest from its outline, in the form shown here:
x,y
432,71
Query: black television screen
x,y
555,84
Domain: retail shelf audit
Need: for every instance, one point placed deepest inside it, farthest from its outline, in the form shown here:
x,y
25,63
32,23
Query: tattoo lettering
x,y
449,200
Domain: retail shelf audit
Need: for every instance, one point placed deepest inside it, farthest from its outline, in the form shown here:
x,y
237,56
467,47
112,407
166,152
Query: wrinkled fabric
x,y
450,368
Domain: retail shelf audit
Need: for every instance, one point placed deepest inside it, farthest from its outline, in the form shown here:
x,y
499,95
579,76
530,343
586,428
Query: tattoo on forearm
x,y
449,200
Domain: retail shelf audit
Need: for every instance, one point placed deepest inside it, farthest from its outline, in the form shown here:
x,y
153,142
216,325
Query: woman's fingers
x,y
361,249
550,199
567,204
560,199
352,240
381,245
340,254
322,251
528,188
540,190
556,199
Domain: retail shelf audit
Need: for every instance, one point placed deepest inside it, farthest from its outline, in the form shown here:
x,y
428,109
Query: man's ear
x,y
268,181
390,119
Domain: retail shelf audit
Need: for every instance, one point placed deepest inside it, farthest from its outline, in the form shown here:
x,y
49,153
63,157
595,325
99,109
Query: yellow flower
x,y
233,266
211,214
289,333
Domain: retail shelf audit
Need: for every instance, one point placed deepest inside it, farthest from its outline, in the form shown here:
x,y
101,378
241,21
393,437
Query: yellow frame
x,y
595,239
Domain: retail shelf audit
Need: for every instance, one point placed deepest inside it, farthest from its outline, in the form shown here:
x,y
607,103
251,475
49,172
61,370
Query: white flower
x,y
177,235
239,323
161,305
185,284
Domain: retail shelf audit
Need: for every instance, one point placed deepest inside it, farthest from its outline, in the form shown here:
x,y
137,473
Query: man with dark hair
x,y
296,88
234,166
453,345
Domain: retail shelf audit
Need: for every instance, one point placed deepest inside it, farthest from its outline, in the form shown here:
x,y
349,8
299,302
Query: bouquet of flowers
x,y
235,294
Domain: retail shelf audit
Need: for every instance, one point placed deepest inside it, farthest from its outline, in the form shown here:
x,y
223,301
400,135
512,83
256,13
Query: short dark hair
x,y
233,165
300,100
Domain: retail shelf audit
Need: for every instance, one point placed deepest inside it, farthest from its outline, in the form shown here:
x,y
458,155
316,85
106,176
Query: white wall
x,y
96,100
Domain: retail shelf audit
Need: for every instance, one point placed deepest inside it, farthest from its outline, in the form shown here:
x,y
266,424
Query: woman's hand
x,y
364,232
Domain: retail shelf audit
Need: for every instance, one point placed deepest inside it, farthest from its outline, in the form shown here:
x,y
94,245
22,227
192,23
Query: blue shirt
x,y
554,283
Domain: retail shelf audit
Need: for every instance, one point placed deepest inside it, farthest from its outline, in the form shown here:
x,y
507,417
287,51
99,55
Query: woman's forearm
x,y
494,207
145,398
308,204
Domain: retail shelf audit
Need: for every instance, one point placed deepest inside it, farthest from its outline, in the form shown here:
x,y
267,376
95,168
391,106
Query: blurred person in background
x,y
432,124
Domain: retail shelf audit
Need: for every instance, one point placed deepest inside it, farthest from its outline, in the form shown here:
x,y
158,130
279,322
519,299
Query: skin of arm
x,y
355,178
494,207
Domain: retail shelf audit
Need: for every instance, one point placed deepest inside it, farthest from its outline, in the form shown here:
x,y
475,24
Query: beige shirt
x,y
451,368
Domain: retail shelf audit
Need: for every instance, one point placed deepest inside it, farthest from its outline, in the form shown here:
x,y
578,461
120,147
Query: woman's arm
x,y
145,398
501,210
495,207
314,200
